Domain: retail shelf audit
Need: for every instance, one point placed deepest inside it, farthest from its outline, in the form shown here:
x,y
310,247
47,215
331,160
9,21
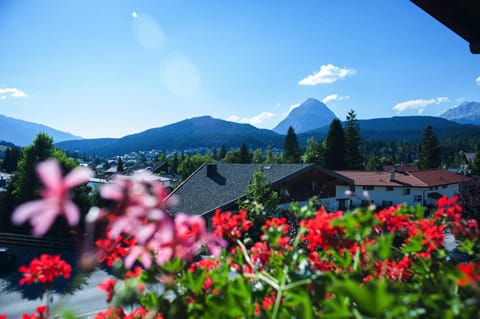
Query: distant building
x,y
221,185
422,187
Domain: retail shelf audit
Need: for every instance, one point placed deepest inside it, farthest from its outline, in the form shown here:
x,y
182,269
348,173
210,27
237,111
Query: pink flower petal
x,y
78,176
145,232
26,211
42,222
131,258
72,213
50,173
112,191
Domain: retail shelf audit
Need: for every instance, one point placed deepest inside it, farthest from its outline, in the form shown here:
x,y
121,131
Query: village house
x,y
421,187
222,185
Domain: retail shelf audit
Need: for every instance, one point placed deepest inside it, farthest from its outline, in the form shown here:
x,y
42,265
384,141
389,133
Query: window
x,y
342,204
389,188
418,198
444,186
315,185
406,191
368,188
387,203
284,192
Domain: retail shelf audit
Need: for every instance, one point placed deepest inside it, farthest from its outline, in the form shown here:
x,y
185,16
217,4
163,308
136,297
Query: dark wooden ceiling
x,y
461,16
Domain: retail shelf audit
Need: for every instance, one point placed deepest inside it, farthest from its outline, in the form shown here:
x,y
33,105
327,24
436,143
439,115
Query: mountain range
x,y
465,113
207,132
22,133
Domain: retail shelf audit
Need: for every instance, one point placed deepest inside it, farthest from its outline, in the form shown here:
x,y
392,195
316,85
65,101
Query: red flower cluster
x,y
110,250
320,231
119,313
207,264
394,270
108,286
391,221
433,236
231,226
44,270
448,208
41,314
470,275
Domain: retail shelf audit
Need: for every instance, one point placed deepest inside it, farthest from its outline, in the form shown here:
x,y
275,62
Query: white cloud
x,y
294,106
419,105
134,14
478,80
255,120
3,97
328,73
12,92
334,97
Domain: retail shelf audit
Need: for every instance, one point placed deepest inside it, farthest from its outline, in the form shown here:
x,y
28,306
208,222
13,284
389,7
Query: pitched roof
x,y
438,177
201,193
421,178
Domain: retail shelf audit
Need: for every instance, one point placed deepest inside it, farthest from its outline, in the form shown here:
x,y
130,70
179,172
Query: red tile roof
x,y
424,178
437,177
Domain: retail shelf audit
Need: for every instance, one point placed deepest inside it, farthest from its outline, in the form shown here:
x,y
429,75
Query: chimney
x,y
392,174
211,170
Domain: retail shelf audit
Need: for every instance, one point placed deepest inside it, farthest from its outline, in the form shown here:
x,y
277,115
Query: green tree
x,y
192,163
245,154
476,162
120,168
314,152
174,163
232,156
222,153
10,161
374,164
429,151
25,184
335,146
291,148
353,158
259,196
25,181
257,156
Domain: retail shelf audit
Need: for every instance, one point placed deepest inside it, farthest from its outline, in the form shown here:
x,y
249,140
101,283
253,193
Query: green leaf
x,y
384,243
414,245
372,299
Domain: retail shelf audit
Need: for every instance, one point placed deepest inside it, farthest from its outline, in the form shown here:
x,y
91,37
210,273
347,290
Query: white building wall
x,y
416,195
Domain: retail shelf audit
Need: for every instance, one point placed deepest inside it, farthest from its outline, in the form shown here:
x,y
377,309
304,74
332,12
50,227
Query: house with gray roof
x,y
221,185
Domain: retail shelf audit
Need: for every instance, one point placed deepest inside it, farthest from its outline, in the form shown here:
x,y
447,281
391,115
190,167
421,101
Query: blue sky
x,y
110,68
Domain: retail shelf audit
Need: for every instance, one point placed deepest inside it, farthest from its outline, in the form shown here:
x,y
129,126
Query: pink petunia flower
x,y
55,198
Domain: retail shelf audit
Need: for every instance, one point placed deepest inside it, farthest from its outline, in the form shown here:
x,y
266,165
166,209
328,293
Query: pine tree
x,y
429,152
245,155
335,146
120,167
269,158
291,149
476,162
222,153
353,158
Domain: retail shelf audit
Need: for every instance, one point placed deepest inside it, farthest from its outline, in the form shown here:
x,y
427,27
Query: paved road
x,y
16,300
